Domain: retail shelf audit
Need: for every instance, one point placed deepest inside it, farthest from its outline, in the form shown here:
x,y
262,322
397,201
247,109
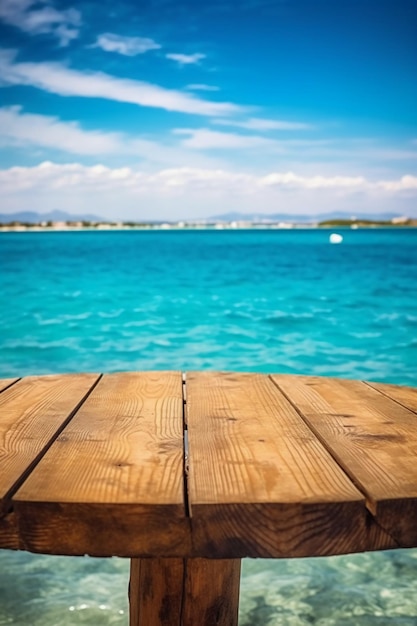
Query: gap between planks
x,y
323,441
26,473
370,503
187,506
385,392
7,383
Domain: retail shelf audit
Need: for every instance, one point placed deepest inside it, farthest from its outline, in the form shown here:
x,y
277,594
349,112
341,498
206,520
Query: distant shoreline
x,y
68,226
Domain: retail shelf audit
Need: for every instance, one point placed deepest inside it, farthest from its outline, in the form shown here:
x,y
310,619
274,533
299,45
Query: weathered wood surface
x,y
184,592
112,483
406,396
7,382
261,483
9,533
31,413
372,437
277,466
156,592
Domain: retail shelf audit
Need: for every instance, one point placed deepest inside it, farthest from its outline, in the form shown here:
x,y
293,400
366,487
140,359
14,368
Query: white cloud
x,y
72,174
175,193
28,129
289,179
186,59
58,79
405,183
127,46
31,131
205,139
73,179
260,124
191,177
41,17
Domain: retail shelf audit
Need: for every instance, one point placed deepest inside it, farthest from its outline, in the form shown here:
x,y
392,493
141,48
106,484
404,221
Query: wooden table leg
x,y
184,592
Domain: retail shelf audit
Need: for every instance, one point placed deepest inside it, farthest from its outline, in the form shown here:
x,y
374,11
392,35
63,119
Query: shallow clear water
x,y
268,301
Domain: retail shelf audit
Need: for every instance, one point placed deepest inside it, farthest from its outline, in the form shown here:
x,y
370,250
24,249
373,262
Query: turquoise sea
x,y
266,301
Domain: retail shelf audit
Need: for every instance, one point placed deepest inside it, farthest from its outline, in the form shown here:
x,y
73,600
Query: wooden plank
x,y
184,592
372,437
260,483
31,413
407,396
156,592
9,534
211,594
112,483
7,382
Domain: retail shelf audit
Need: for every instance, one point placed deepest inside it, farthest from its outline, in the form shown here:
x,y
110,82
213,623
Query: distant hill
x,y
31,217
299,218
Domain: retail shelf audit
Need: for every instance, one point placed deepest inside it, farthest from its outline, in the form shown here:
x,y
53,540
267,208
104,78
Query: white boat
x,y
335,238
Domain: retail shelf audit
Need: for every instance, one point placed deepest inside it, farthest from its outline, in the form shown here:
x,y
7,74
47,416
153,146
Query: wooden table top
x,y
206,465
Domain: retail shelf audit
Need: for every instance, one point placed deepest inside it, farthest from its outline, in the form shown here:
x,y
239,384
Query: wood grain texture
x,y
372,437
31,412
99,469
407,396
112,482
260,482
211,593
156,592
9,533
7,382
184,592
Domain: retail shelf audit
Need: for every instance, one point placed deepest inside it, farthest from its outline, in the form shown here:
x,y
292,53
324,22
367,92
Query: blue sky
x,y
164,109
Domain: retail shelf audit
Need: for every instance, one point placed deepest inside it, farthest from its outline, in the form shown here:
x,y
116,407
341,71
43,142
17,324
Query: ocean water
x,y
266,301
